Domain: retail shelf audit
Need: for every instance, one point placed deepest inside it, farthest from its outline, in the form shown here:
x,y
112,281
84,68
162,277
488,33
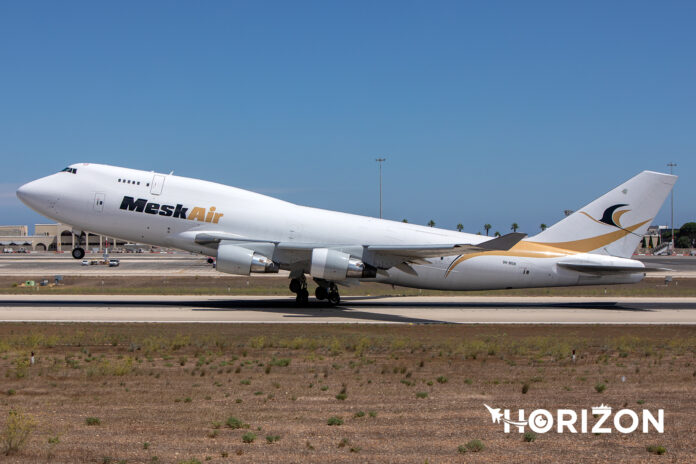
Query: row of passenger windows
x,y
127,181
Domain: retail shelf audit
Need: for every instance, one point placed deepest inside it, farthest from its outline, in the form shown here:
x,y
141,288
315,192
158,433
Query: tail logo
x,y
611,216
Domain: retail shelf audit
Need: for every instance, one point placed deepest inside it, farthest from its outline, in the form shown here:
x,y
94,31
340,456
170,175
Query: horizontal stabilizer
x,y
504,242
608,268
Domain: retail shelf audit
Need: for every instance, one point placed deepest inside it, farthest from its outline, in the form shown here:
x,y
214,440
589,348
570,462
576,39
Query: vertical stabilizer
x,y
614,223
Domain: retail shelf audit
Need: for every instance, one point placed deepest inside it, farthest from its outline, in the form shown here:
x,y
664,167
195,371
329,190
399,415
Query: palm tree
x,y
460,227
404,220
497,234
487,227
514,227
431,223
543,227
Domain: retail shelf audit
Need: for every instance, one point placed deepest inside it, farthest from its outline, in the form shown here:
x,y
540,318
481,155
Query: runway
x,y
405,310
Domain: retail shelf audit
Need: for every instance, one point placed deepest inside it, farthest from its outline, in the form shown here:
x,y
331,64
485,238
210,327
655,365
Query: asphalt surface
x,y
407,310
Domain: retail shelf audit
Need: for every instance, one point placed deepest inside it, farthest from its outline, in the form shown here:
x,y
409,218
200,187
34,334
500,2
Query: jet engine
x,y
334,265
234,259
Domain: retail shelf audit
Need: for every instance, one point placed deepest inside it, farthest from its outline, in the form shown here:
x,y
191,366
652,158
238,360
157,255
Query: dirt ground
x,y
413,394
236,285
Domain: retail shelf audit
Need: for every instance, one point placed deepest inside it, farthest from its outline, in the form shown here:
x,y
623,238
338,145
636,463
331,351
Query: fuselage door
x,y
156,184
99,202
526,269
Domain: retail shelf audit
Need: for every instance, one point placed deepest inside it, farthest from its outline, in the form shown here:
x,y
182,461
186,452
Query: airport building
x,y
57,237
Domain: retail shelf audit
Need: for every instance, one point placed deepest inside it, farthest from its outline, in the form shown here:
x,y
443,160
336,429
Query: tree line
x,y
487,227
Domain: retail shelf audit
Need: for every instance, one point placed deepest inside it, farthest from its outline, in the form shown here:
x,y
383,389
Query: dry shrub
x,y
16,431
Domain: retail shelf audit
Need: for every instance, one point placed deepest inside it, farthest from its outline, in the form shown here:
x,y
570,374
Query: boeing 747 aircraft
x,y
249,232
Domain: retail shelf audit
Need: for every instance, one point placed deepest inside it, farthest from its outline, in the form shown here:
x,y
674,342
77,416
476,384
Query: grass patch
x,y
656,449
334,420
473,446
529,437
234,423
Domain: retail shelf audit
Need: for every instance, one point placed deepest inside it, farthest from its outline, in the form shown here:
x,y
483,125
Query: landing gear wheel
x,y
321,293
78,253
302,297
299,286
295,286
334,298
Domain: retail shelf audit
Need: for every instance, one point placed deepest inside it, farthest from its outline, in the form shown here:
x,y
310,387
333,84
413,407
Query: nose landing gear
x,y
78,253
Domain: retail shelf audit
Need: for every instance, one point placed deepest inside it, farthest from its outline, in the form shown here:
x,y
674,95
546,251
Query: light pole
x,y
380,161
671,201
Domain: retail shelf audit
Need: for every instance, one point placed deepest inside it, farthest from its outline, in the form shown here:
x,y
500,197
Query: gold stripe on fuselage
x,y
525,249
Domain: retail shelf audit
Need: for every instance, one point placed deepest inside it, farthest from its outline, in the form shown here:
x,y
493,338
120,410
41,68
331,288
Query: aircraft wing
x,y
382,256
504,242
213,238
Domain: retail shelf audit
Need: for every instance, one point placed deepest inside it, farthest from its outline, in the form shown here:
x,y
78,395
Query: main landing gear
x,y
78,253
299,286
329,293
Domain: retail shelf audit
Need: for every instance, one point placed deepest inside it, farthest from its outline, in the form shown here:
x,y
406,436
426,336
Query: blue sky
x,y
487,112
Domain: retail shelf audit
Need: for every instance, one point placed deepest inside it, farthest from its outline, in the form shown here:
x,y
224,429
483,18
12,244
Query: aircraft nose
x,y
35,194
23,192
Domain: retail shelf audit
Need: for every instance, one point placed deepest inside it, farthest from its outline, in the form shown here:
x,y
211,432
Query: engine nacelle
x,y
234,259
334,265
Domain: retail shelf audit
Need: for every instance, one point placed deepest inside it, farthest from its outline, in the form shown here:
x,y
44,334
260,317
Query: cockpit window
x,y
70,170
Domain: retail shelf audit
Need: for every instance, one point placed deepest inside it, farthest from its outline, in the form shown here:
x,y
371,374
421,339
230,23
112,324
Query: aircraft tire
x,y
78,253
302,297
321,293
295,286
334,298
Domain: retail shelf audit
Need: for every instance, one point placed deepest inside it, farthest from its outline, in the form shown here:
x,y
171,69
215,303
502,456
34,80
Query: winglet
x,y
502,243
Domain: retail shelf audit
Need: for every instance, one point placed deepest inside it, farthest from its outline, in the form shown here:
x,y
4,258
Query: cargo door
x,y
99,202
157,184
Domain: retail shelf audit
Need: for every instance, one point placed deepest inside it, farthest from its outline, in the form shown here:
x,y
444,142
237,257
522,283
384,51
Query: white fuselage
x,y
176,209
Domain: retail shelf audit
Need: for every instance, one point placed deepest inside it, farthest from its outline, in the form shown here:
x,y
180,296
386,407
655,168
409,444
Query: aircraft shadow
x,y
350,308
288,307
603,305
